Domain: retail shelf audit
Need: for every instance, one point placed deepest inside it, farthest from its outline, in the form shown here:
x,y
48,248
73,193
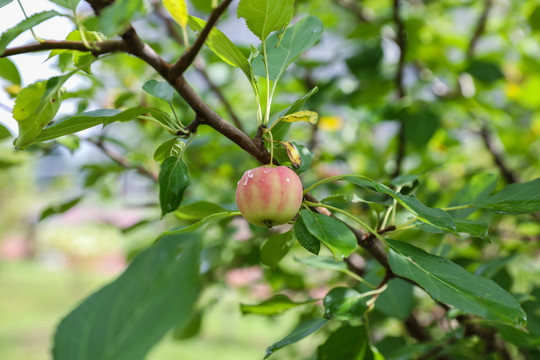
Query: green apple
x,y
269,195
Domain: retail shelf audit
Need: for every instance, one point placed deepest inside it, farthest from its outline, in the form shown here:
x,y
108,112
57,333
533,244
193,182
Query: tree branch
x,y
509,176
102,47
187,58
173,32
402,44
354,7
120,160
480,27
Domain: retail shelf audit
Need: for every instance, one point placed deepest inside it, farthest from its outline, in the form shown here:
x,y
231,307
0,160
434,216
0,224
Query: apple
x,y
269,195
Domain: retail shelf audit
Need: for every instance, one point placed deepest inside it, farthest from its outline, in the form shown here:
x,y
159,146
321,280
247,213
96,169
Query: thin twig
x,y
480,27
496,153
101,47
354,7
402,44
122,161
187,58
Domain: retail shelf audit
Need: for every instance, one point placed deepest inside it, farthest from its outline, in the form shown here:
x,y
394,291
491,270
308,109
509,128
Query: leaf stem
x,y
351,216
459,207
265,60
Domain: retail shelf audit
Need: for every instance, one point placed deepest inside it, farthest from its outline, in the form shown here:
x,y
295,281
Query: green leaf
x,y
123,320
309,116
198,210
224,48
476,228
305,238
265,16
534,19
519,198
447,282
346,343
4,3
303,157
279,131
159,89
276,247
305,329
209,220
68,4
173,181
325,262
10,34
178,10
87,120
114,19
436,217
486,71
331,232
9,71
283,50
397,300
36,106
478,187
344,304
276,305
190,329
420,126
171,147
405,180
59,208
4,132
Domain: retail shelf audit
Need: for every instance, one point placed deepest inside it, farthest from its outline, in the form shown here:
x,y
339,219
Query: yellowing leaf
x,y
178,10
310,116
293,154
330,123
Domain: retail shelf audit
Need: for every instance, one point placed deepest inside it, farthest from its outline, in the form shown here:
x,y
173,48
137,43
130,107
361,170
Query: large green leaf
x,y
198,210
397,300
433,216
305,329
331,232
24,25
347,343
87,120
276,247
36,106
447,282
124,319
281,52
265,16
344,304
519,198
220,44
173,181
277,304
9,71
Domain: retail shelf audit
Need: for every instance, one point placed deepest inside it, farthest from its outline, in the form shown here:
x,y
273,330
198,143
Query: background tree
x,y
417,139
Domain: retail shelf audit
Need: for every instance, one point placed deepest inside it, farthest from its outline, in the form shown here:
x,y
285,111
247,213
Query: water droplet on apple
x,y
288,179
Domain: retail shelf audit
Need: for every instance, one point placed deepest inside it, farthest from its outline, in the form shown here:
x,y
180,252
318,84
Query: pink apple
x,y
269,196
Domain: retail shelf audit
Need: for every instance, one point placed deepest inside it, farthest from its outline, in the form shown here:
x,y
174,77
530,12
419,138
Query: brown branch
x,y
353,7
172,29
187,58
120,160
101,47
480,27
496,153
402,44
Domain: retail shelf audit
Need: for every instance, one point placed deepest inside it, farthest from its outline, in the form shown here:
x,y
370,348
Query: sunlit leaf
x,y
178,10
265,16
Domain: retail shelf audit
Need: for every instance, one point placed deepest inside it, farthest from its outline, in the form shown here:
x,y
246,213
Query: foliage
x,y
415,133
